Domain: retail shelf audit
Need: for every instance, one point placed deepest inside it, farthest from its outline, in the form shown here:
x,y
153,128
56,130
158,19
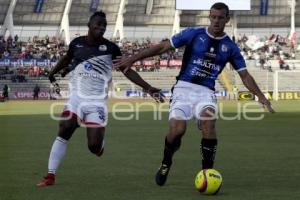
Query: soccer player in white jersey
x,y
89,61
207,50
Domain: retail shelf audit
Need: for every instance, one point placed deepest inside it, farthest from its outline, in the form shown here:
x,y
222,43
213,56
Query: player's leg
x,y
59,147
205,112
209,137
180,112
95,136
177,129
96,121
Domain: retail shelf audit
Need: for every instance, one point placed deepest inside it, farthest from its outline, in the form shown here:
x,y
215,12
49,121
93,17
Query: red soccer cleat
x,y
47,181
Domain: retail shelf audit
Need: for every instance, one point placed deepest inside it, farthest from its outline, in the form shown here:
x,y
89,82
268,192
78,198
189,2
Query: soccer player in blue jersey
x,y
207,50
89,62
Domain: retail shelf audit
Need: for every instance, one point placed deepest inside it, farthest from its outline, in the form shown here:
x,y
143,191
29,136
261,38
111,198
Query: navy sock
x,y
169,150
208,151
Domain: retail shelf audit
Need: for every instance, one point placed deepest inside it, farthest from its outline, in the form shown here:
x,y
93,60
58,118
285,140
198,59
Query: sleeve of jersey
x,y
183,38
237,60
70,52
116,52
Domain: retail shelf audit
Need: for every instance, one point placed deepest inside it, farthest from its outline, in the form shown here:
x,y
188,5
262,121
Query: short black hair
x,y
219,6
98,14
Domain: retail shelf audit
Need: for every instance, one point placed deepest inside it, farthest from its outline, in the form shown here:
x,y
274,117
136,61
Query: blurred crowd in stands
x,y
36,56
169,60
262,50
33,57
33,48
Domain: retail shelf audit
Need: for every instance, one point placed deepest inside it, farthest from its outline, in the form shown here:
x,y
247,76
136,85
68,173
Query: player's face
x,y
218,20
97,27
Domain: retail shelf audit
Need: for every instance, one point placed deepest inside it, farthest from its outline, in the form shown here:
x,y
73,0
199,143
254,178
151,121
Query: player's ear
x,y
227,19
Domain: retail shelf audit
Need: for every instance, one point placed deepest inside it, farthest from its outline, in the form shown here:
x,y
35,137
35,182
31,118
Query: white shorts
x,y
189,100
87,111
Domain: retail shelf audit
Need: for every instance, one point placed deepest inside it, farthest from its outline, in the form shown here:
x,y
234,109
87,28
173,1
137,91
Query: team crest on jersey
x,y
224,48
88,66
102,48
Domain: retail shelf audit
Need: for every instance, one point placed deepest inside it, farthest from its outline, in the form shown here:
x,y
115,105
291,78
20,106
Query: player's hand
x,y
123,63
156,94
56,88
266,104
51,78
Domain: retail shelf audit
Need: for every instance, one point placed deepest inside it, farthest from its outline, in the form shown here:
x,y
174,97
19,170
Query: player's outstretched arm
x,y
126,63
251,85
62,64
155,93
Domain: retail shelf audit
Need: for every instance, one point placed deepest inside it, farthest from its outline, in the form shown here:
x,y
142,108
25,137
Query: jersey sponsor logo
x,y
202,73
207,64
89,75
88,66
102,48
79,46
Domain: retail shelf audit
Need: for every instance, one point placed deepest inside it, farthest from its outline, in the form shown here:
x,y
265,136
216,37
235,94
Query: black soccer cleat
x,y
162,174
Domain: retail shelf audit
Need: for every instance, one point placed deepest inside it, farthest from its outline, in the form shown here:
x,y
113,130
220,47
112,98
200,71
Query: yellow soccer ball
x,y
208,181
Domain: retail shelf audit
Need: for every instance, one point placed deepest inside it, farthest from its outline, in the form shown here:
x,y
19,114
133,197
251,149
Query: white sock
x,y
57,153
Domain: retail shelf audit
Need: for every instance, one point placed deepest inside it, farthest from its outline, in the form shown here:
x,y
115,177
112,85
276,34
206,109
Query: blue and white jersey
x,y
91,67
205,56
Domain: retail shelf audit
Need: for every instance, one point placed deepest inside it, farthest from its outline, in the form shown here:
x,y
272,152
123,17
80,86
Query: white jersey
x,y
91,68
91,78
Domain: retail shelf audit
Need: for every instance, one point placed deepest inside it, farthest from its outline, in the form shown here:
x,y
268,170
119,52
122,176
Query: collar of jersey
x,y
101,42
217,38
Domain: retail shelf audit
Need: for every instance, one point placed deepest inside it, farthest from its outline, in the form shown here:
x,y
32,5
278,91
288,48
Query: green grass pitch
x,y
258,159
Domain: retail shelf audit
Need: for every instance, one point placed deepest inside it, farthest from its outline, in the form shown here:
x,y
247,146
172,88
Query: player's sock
x,y
208,150
57,153
169,150
163,171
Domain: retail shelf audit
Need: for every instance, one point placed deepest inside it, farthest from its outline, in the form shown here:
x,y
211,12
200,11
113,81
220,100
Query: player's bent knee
x,y
177,128
179,132
66,130
68,124
208,113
